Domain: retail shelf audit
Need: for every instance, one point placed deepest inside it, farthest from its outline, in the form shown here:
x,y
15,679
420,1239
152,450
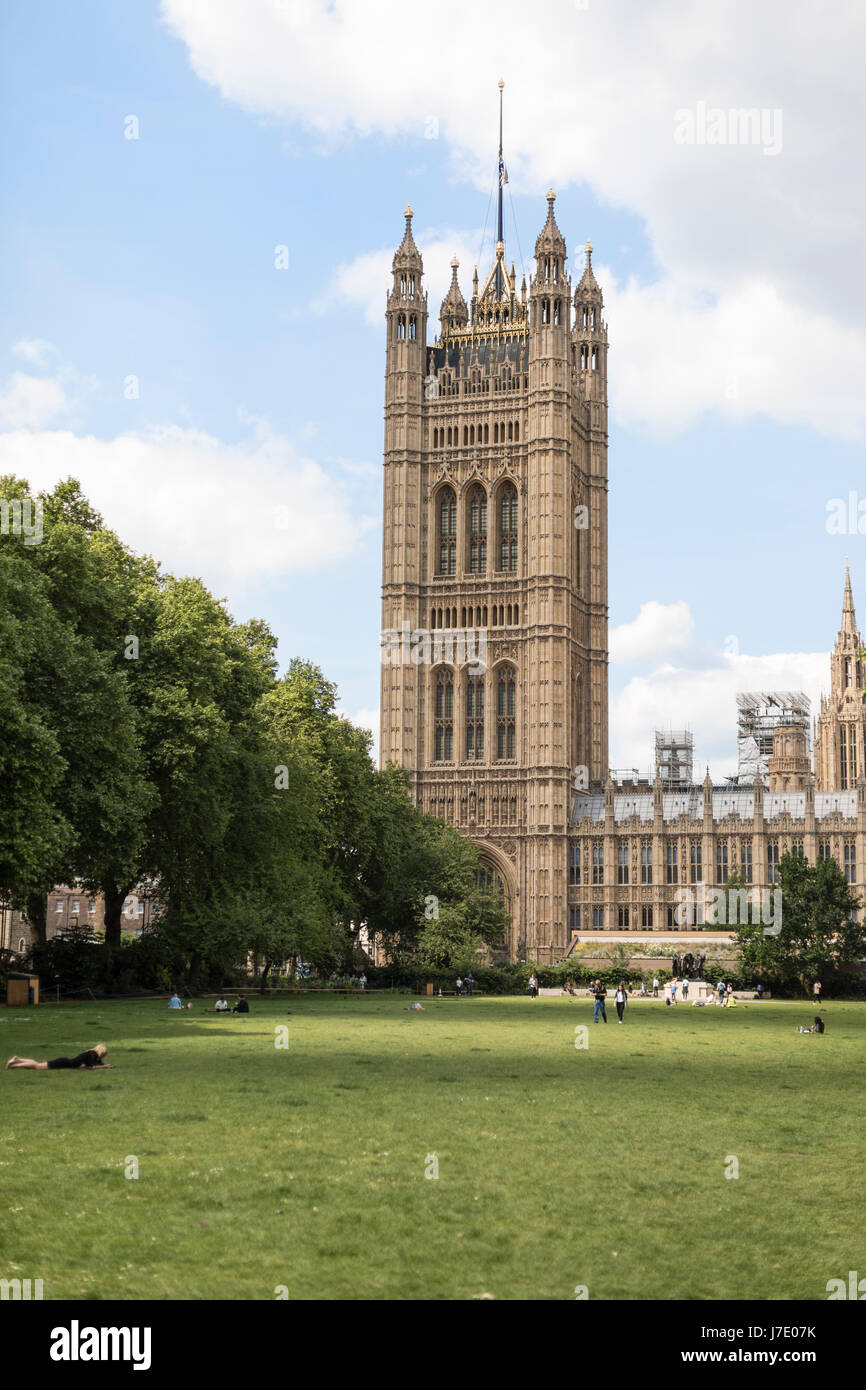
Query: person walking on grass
x,y
533,986
685,990
469,982
620,999
673,989
600,995
655,986
91,1060
459,986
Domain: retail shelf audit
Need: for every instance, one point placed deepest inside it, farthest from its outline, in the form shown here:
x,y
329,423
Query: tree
x,y
817,933
34,832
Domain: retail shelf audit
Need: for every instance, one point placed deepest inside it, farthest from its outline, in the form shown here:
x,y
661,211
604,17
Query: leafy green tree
x,y
34,832
818,932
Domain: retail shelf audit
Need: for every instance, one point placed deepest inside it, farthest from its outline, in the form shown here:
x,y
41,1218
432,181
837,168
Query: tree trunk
x,y
114,899
264,978
36,909
194,970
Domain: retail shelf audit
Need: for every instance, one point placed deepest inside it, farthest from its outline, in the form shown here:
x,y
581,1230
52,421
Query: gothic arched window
x,y
474,718
477,530
448,531
401,327
506,713
444,705
508,528
490,880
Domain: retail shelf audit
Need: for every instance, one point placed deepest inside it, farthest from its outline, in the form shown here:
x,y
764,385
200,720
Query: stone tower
x,y
841,725
494,611
789,767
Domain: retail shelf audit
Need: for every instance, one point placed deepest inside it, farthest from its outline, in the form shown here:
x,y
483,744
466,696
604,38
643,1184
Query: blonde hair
x,y
100,1048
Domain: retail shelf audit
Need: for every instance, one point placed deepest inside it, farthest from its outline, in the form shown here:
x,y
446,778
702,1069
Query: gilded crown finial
x,y
501,84
408,214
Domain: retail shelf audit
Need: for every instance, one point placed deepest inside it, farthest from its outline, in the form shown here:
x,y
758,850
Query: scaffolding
x,y
759,714
623,775
675,757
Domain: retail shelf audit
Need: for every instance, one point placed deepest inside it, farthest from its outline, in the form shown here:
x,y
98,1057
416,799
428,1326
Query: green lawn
x,y
558,1167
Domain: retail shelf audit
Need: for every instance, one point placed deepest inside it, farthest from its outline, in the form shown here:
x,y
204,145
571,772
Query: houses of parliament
x,y
495,566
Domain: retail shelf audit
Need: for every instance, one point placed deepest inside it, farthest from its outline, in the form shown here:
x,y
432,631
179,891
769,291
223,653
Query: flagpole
x,y
499,237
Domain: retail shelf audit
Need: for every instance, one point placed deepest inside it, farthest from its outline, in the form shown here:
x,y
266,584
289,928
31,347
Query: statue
x,y
689,967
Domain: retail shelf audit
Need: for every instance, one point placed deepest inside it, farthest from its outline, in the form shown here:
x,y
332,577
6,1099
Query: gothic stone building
x,y
494,616
633,847
495,526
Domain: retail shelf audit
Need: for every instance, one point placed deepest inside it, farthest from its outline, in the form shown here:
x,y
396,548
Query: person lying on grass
x,y
90,1061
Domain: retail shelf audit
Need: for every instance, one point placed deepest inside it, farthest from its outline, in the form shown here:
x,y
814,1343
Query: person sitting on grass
x,y
242,1006
817,1026
174,1001
89,1061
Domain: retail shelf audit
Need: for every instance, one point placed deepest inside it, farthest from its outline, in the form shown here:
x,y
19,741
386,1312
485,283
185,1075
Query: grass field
x,y
305,1167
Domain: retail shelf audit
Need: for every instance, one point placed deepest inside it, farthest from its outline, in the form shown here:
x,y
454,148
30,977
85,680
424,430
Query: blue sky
x,y
731,276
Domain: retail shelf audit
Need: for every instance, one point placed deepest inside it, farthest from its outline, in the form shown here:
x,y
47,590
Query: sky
x,y
199,206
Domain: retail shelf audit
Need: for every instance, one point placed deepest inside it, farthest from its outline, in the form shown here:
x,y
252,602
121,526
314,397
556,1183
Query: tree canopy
x,y
149,739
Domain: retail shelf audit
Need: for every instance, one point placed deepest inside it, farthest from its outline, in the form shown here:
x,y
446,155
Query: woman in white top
x,y
620,999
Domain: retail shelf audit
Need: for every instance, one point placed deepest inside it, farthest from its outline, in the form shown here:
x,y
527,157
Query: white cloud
x,y
658,630
241,512
37,351
366,280
28,402
759,254
751,352
703,698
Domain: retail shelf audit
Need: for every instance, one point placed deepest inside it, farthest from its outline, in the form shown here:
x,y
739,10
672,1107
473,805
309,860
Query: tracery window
x,y
448,531
444,706
474,718
508,528
477,530
506,713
